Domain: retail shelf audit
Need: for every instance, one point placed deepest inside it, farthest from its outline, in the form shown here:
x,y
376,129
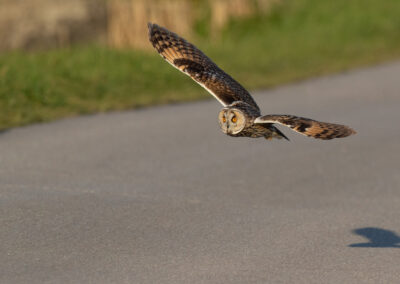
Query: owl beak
x,y
228,131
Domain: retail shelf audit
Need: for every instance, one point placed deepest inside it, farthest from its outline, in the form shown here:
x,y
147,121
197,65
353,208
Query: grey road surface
x,y
160,195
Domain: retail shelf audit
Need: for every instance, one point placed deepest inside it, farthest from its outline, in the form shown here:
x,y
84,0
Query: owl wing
x,y
194,63
308,127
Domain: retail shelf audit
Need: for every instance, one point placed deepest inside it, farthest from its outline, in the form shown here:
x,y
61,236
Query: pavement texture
x,y
160,195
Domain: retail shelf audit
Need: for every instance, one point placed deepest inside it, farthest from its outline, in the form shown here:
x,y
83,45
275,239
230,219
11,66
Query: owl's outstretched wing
x,y
308,127
190,60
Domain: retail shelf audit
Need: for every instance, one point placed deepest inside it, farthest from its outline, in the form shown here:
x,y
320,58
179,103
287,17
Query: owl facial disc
x,y
231,121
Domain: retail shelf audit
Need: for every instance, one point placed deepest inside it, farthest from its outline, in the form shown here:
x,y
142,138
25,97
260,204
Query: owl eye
x,y
224,119
234,119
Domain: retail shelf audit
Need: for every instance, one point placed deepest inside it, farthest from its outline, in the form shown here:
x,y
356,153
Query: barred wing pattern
x,y
194,63
308,127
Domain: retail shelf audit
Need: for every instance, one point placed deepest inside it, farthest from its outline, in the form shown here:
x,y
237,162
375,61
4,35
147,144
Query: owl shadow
x,y
378,238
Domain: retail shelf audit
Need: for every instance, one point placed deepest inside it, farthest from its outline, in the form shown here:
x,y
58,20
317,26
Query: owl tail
x,y
275,133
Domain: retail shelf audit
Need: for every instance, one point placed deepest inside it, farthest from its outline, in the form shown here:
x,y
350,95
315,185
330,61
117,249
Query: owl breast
x,y
253,131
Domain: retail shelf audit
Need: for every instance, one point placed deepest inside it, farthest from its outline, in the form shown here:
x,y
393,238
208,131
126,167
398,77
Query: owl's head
x,y
231,120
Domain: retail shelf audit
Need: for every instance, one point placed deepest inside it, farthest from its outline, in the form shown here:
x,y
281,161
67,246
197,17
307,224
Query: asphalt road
x,y
160,195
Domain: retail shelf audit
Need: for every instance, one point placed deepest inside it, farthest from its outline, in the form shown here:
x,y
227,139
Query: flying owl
x,y
240,116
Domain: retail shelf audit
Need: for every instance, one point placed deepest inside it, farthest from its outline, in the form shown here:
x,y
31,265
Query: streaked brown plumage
x,y
308,127
190,60
241,115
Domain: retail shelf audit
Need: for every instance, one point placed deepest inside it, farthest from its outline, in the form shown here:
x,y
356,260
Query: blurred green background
x,y
99,59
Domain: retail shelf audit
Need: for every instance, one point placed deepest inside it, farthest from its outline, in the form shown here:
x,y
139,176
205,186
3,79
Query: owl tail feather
x,y
276,133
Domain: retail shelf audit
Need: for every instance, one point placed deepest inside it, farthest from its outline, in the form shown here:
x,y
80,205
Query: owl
x,y
240,115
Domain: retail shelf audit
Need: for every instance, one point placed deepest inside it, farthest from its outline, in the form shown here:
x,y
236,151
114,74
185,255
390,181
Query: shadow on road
x,y
378,238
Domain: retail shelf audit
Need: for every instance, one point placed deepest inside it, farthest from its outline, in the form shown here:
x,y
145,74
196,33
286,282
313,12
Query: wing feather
x,y
190,60
308,127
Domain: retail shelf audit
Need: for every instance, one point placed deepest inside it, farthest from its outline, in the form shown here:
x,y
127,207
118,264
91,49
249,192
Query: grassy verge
x,y
300,38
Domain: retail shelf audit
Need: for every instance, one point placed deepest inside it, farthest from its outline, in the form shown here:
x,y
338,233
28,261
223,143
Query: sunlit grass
x,y
299,39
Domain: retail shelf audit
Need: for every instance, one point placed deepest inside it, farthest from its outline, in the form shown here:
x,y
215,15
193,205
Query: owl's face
x,y
231,121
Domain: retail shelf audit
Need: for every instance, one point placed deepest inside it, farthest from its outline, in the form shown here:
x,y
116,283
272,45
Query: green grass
x,y
299,39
